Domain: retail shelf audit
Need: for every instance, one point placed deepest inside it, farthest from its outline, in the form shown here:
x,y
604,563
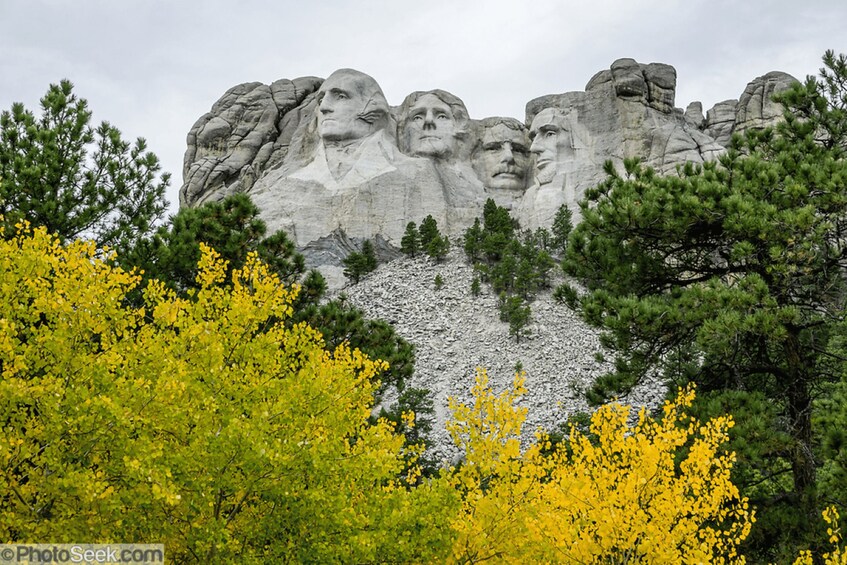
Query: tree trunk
x,y
799,407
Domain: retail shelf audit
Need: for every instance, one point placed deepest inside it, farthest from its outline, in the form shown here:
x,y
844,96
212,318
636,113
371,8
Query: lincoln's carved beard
x,y
545,172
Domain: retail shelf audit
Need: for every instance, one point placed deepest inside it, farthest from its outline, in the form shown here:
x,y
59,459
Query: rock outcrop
x,y
244,134
625,112
755,109
331,162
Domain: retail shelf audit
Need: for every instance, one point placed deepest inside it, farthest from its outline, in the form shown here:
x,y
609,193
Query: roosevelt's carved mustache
x,y
508,170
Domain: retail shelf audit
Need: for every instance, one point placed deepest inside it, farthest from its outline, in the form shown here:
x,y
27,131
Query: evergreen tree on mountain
x,y
515,311
731,274
438,247
472,242
432,241
498,229
428,231
359,263
515,264
561,229
410,243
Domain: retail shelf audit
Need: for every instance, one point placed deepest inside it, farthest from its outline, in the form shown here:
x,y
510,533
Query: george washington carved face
x,y
352,106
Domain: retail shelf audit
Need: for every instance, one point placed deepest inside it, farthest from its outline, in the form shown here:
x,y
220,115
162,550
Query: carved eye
x,y
418,117
549,134
341,96
443,117
491,146
520,149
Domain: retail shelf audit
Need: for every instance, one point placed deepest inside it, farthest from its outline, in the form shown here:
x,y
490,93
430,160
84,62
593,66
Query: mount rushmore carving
x,y
330,161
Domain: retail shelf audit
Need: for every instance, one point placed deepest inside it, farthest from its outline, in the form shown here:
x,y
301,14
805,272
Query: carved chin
x,y
432,147
545,175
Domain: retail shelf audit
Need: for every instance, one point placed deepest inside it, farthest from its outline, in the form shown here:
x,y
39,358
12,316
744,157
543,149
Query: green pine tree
x,y
476,289
498,230
561,229
428,231
438,247
410,243
496,219
232,227
515,311
355,266
732,275
359,263
77,180
369,255
472,242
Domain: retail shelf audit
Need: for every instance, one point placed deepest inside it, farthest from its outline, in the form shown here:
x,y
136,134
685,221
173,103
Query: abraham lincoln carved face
x,y
550,143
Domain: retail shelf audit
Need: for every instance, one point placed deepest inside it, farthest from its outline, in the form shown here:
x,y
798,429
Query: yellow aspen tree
x,y
202,423
655,492
839,555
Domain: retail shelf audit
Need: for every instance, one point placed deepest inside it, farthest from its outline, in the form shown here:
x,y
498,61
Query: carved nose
x,y
535,147
507,156
325,107
429,120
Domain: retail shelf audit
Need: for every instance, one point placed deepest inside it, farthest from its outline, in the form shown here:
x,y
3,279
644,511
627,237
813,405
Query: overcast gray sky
x,y
153,67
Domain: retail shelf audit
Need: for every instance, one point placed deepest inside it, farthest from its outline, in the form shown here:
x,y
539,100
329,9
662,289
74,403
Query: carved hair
x,y
488,123
562,120
510,123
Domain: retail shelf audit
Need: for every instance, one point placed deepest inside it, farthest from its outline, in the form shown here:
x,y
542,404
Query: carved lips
x,y
511,172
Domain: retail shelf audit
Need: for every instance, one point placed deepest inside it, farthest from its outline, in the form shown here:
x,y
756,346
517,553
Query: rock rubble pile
x,y
455,332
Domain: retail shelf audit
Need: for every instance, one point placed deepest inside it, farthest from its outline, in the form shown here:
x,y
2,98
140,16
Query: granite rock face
x,y
754,108
627,111
333,163
242,135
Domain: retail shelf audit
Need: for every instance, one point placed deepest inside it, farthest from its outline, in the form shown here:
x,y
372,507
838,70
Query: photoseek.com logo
x,y
101,554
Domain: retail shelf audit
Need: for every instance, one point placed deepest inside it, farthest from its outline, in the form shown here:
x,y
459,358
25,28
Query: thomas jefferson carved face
x,y
502,158
352,106
431,128
550,141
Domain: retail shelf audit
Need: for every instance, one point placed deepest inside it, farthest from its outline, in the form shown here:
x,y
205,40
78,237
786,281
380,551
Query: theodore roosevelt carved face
x,y
501,158
432,124
550,142
351,106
